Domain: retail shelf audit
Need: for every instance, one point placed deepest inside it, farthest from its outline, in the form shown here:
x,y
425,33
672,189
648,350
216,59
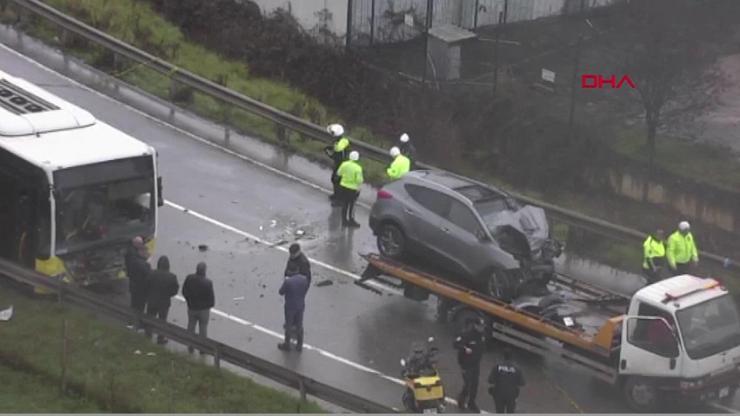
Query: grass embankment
x,y
104,372
715,166
21,392
136,23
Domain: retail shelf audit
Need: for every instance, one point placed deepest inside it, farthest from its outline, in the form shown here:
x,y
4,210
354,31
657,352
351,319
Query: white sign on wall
x,y
548,75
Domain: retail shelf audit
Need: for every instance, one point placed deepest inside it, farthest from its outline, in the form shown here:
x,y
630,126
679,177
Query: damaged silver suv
x,y
478,233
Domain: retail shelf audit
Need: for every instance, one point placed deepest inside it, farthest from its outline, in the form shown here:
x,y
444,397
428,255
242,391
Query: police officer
x,y
653,261
399,166
470,345
407,149
338,152
350,180
505,381
681,249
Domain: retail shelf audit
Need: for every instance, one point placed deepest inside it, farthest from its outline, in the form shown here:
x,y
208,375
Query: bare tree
x,y
666,57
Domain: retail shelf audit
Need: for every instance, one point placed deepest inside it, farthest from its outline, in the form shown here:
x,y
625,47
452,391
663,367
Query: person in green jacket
x,y
681,249
400,165
653,255
350,180
338,153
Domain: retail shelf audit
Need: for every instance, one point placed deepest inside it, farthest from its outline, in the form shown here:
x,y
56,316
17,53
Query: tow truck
x,y
676,339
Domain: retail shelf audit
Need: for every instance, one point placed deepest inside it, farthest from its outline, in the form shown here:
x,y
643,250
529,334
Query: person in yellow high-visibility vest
x,y
681,249
338,153
400,165
350,180
653,257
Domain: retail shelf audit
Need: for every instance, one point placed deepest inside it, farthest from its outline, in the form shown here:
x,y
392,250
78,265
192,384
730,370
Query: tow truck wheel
x,y
641,395
391,241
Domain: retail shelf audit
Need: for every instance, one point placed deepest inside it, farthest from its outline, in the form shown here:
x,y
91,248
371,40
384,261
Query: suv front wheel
x,y
391,241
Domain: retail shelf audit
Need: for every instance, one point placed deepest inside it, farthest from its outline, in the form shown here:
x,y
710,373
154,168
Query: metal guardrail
x,y
309,129
221,352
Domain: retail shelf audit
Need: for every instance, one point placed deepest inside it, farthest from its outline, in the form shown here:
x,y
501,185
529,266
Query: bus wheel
x,y
641,394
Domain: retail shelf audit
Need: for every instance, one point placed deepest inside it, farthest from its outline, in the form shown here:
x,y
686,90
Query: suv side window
x,y
463,217
432,200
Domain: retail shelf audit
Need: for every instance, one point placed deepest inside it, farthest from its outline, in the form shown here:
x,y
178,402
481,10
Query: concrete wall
x,y
695,201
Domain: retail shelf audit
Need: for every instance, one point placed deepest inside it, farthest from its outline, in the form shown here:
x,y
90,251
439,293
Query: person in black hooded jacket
x,y
198,293
162,287
300,261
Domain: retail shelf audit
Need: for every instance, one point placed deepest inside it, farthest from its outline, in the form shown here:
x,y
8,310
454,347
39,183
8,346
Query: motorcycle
x,y
424,390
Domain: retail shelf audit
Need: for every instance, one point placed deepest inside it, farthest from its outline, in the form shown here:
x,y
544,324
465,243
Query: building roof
x,y
451,33
52,133
687,290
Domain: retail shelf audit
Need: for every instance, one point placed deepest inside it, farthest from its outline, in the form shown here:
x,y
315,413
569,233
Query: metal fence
x,y
383,21
221,352
180,77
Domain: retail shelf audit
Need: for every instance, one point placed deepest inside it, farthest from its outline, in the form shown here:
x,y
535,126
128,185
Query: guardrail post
x,y
223,80
302,389
63,381
173,89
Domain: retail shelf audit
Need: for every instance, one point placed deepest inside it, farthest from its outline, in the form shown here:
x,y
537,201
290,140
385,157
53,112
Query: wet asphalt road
x,y
356,337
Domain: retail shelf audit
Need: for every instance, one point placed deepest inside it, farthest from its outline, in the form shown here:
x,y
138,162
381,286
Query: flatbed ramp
x,y
590,351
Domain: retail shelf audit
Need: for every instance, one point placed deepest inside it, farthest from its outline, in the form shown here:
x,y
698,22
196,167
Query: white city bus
x,y
73,191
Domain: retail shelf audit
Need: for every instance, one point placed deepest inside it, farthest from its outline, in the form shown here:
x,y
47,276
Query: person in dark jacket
x,y
162,287
470,346
198,293
294,290
505,380
299,259
407,149
137,270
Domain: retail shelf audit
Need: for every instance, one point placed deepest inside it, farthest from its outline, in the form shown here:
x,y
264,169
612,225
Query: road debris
x,y
137,352
6,314
239,298
151,354
202,247
325,283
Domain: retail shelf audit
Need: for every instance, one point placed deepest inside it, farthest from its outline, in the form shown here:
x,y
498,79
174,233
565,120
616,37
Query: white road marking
x,y
233,229
281,248
178,129
309,347
724,408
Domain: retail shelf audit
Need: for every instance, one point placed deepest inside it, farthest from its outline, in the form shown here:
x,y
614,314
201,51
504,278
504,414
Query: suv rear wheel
x,y
391,241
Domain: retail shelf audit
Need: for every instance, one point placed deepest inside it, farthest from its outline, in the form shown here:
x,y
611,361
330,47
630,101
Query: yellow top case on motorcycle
x,y
428,388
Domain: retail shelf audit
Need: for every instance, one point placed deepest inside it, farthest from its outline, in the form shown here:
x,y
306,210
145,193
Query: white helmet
x,y
354,155
395,151
684,226
405,138
335,130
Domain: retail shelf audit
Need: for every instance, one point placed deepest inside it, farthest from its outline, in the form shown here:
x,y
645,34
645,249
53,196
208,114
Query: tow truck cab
x,y
680,340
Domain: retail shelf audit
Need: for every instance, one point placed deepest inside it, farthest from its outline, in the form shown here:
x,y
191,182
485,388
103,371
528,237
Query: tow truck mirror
x,y
160,197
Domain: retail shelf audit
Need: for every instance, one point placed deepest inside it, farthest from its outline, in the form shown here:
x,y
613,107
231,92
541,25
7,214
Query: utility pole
x,y
372,23
576,63
349,24
502,16
495,51
427,25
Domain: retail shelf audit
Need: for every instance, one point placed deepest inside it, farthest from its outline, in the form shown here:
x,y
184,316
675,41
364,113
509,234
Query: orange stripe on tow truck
x,y
499,308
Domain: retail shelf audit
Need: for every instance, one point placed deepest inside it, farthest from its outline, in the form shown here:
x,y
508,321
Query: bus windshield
x,y
105,202
710,327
